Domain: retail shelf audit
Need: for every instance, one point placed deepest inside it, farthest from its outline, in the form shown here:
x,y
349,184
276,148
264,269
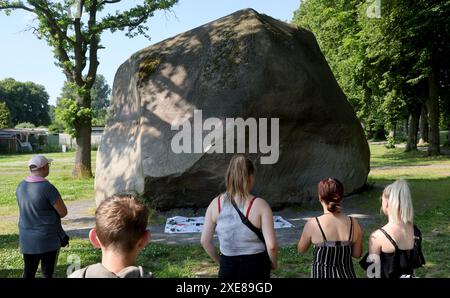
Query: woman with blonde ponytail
x,y
336,237
395,250
244,226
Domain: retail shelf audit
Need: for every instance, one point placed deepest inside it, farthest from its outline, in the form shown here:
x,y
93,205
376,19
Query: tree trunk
x,y
447,141
447,144
82,167
433,117
405,127
411,144
393,131
423,126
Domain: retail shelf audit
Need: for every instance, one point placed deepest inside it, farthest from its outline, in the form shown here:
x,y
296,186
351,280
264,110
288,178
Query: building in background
x,y
13,140
17,140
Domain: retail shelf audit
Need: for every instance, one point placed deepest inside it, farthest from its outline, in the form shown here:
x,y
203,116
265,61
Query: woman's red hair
x,y
331,191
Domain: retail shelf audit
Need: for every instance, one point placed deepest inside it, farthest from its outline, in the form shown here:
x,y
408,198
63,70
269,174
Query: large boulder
x,y
246,65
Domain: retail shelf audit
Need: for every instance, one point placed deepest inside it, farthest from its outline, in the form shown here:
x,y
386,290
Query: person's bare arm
x,y
305,239
357,236
208,233
268,231
60,207
374,244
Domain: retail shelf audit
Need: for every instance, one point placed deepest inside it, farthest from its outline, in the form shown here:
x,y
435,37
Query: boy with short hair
x,y
121,233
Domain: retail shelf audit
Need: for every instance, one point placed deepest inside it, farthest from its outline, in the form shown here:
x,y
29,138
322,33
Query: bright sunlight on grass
x,y
429,178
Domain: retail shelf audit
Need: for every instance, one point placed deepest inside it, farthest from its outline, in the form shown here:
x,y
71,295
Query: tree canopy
x,y
26,101
66,102
389,65
73,29
5,119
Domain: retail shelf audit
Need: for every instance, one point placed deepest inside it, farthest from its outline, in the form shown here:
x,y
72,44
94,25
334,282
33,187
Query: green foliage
x,y
5,117
382,64
99,95
71,114
51,113
335,25
71,35
56,127
390,142
26,101
75,40
147,67
431,215
25,125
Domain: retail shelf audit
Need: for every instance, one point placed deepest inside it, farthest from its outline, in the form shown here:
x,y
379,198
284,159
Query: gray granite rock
x,y
246,65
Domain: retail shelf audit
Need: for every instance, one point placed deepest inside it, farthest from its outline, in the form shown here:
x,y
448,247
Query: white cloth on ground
x,y
181,224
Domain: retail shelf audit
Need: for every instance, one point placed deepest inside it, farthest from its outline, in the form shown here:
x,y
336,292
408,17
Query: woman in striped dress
x,y
336,237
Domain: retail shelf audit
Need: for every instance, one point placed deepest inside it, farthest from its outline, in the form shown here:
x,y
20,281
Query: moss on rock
x,y
147,67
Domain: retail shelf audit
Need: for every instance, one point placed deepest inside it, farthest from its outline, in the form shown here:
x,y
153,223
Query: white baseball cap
x,y
39,161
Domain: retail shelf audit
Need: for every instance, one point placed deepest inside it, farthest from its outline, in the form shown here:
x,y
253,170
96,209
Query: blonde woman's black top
x,y
401,262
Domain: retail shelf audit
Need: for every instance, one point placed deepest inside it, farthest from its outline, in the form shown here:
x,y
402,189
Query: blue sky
x,y
25,58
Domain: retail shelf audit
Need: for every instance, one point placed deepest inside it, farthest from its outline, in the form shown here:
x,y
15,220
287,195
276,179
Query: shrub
x,y
25,125
390,142
5,115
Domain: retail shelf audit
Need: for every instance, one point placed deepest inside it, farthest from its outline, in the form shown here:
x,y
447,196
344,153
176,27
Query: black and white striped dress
x,y
333,259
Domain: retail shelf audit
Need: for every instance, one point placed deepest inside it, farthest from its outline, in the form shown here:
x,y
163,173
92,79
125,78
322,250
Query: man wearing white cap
x,y
41,209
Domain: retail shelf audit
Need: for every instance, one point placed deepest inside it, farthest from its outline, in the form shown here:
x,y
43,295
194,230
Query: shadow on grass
x,y
431,203
398,157
11,261
431,200
426,194
9,241
163,260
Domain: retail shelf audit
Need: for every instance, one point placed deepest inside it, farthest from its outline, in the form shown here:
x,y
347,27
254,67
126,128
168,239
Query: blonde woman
x,y
244,226
395,249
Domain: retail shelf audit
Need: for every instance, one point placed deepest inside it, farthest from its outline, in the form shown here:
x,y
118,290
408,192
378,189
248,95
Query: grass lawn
x,y
14,168
429,178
